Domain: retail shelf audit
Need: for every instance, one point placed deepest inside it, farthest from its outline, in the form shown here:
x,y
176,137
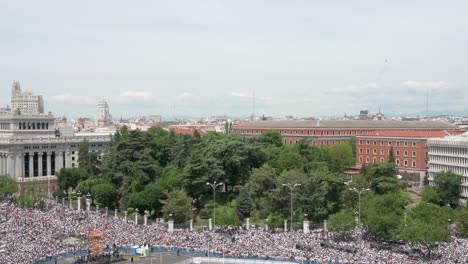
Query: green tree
x,y
25,201
178,204
448,185
342,156
342,222
244,203
383,177
383,214
8,186
104,194
391,156
70,177
87,161
226,215
462,223
86,186
262,180
430,195
427,224
272,137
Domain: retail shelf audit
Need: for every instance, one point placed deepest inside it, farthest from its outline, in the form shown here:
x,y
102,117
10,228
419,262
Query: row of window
x,y
309,132
38,147
450,150
397,161
315,142
389,143
32,125
382,152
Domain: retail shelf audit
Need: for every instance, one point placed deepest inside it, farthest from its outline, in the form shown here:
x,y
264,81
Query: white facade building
x,y
32,150
26,103
450,154
103,116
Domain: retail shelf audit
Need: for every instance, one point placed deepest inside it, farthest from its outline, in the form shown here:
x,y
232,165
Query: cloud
x,y
244,95
131,96
424,85
74,99
238,94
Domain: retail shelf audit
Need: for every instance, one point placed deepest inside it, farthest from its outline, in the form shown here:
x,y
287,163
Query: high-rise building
x,y
25,103
103,116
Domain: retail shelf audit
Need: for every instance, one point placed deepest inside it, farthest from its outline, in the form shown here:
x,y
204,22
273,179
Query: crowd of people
x,y
29,235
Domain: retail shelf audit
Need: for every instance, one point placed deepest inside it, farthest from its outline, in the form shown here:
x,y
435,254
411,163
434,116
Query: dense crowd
x,y
28,235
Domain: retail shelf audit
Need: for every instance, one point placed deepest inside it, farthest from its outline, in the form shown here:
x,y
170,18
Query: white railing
x,y
201,260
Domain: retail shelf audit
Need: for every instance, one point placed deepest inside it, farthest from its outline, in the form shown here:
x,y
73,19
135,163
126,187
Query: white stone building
x,y
450,154
32,150
27,103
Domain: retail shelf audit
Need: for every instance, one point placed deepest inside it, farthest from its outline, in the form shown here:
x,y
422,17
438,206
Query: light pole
x,y
359,192
291,188
214,185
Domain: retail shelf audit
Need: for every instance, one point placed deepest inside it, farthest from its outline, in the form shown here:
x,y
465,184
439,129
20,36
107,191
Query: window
x,y
375,143
406,144
360,151
360,142
367,142
397,162
375,160
414,144
367,160
367,151
381,152
414,154
73,158
397,153
382,143
414,163
360,159
406,153
405,163
398,144
381,160
375,152
389,143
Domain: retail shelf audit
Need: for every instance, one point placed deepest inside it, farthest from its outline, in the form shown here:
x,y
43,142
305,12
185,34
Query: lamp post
x,y
291,188
359,192
214,185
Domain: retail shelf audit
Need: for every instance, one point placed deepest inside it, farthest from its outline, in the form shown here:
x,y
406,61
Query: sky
x,y
211,57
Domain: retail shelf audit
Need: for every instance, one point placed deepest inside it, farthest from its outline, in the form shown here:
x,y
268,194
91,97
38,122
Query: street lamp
x,y
291,188
214,185
359,192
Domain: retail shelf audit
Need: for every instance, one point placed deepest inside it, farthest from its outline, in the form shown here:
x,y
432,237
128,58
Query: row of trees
x,y
166,173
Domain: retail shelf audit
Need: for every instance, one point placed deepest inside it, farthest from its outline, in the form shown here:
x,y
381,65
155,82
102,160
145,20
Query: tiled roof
x,y
346,124
187,131
412,134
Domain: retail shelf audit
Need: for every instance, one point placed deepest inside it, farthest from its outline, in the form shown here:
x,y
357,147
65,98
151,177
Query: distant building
x,y
329,132
25,103
155,118
103,116
33,150
410,150
450,154
364,115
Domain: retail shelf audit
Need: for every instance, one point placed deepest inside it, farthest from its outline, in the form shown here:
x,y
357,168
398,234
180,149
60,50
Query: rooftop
x,y
347,124
412,134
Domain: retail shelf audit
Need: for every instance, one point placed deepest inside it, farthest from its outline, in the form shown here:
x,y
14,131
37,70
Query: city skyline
x,y
191,58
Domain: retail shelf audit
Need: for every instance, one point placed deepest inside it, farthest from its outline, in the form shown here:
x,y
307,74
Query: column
x,y
191,224
170,227
210,224
125,216
31,164
88,203
145,218
115,213
136,218
58,161
67,159
18,165
325,225
39,164
10,165
49,161
247,223
79,202
285,225
305,226
2,164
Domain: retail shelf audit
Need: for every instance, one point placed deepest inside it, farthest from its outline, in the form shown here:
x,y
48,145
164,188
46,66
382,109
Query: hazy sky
x,y
202,58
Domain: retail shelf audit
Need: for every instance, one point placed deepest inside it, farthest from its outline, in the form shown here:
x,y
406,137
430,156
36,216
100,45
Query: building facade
x,y
32,150
25,103
410,151
329,132
450,154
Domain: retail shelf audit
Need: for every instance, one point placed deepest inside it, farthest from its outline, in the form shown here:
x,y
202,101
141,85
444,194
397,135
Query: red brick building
x,y
329,132
410,150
